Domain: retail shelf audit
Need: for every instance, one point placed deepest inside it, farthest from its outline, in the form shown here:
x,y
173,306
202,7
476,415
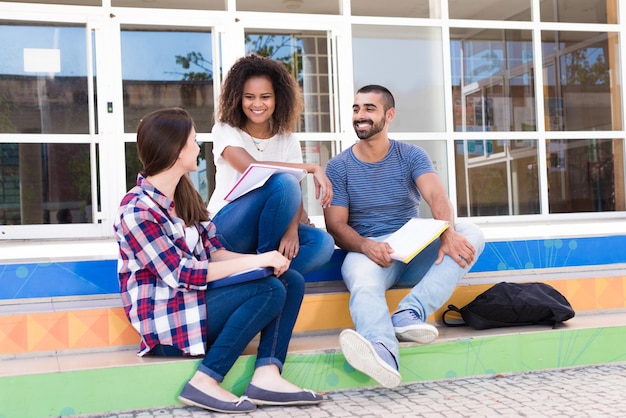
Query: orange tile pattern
x,y
108,327
52,331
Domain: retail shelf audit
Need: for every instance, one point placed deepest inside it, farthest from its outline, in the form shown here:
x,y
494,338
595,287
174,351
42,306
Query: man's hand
x,y
378,252
456,246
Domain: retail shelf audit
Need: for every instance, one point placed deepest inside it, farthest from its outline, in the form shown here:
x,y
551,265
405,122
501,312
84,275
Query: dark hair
x,y
388,99
161,136
286,92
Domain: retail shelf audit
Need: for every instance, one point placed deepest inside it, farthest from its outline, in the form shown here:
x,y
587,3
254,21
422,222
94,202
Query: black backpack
x,y
513,304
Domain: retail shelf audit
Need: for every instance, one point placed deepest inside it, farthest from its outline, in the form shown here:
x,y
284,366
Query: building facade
x,y
518,102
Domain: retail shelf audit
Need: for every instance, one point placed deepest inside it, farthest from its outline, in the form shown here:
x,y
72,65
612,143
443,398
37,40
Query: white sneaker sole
x,y
422,333
360,354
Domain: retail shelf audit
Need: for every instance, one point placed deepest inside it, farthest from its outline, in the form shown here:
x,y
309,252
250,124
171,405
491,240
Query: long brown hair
x,y
286,91
161,136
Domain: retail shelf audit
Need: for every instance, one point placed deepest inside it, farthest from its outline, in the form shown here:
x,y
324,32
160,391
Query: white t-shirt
x,y
279,148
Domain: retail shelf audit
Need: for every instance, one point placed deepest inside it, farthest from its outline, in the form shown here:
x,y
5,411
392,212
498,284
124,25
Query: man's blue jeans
x,y
237,313
256,222
431,285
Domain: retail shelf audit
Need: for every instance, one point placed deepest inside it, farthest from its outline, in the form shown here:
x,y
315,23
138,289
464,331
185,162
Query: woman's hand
x,y
323,187
274,259
290,243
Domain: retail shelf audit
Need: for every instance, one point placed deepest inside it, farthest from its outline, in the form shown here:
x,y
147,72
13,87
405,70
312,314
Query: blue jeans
x,y
431,285
256,222
237,313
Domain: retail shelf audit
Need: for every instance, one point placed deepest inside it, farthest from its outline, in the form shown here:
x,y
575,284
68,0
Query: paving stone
x,y
582,392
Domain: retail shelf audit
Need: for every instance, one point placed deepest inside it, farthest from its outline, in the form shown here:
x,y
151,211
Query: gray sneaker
x,y
409,327
372,359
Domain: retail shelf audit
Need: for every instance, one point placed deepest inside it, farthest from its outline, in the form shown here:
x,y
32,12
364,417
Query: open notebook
x,y
414,236
256,175
241,277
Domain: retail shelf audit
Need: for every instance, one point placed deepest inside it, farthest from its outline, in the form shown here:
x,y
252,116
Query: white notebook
x,y
256,175
414,236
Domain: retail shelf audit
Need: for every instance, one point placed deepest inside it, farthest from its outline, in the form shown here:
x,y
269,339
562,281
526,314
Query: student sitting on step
x,y
378,184
168,254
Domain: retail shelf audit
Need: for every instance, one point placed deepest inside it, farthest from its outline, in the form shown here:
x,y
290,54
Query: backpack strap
x,y
452,308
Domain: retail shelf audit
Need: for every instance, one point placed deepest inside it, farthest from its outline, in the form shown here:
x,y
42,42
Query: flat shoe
x,y
267,397
192,396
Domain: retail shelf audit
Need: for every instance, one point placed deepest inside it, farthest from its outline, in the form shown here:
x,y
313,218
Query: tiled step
x,y
65,384
78,355
44,326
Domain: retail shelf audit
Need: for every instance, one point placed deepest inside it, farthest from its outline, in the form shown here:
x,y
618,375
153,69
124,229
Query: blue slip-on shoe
x,y
267,397
372,359
192,396
408,326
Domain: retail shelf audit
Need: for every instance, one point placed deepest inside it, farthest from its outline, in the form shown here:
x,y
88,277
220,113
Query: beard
x,y
369,132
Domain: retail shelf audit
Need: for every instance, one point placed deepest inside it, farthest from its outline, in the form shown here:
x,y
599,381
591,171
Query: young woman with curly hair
x,y
259,106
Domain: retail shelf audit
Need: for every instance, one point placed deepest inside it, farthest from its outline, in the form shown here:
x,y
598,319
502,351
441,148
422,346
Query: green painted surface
x,y
154,385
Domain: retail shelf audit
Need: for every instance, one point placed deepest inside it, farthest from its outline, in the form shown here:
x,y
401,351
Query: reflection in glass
x,y
582,175
326,7
492,80
44,184
43,80
167,69
581,81
518,10
409,62
306,57
314,152
579,11
187,4
497,177
397,8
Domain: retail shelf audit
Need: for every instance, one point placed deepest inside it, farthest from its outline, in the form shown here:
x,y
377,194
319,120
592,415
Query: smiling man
x,y
378,184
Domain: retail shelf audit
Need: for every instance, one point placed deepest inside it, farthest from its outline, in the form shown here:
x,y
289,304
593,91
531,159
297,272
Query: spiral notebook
x,y
242,277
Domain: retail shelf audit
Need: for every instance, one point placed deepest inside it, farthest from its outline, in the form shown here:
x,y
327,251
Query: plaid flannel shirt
x,y
162,281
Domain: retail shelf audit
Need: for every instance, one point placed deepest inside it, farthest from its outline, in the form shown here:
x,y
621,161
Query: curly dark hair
x,y
286,92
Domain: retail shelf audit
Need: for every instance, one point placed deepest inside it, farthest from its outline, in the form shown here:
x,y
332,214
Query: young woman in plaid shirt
x,y
168,254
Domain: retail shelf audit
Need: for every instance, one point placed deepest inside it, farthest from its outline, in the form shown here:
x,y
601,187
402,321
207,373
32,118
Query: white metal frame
x,y
228,28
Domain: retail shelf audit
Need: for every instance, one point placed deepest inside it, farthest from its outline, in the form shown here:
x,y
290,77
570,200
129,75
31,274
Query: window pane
x,y
581,81
45,184
178,4
497,177
43,79
492,80
327,7
314,152
490,9
397,8
306,56
166,69
579,11
70,2
408,61
585,175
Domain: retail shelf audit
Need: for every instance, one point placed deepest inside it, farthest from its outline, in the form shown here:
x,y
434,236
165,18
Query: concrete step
x,y
69,383
78,324
77,355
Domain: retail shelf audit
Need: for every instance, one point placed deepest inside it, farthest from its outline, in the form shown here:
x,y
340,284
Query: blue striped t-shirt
x,y
380,196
